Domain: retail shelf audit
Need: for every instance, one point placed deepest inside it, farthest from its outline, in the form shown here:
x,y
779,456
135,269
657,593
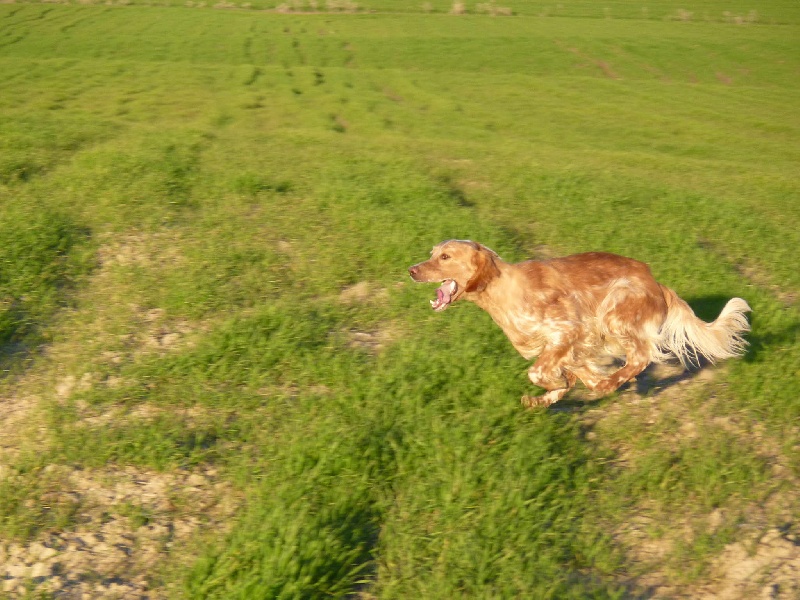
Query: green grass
x,y
225,177
42,254
32,501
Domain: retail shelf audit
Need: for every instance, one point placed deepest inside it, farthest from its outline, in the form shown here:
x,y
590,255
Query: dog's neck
x,y
500,290
516,285
507,299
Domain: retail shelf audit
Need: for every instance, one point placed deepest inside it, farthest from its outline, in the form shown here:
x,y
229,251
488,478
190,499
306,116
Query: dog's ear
x,y
486,269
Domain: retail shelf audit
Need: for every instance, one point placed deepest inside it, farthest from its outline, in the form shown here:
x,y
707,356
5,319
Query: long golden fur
x,y
577,312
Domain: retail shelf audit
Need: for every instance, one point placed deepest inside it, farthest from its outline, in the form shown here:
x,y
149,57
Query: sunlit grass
x,y
190,197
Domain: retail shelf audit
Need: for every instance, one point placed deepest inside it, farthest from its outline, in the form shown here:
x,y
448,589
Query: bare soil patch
x,y
128,521
122,522
765,562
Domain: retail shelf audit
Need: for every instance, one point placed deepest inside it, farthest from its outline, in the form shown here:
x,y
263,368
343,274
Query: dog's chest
x,y
527,331
531,330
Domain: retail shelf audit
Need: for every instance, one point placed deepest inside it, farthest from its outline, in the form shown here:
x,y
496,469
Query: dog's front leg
x,y
549,373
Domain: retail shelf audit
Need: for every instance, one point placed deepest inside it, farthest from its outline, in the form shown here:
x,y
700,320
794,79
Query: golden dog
x,y
577,312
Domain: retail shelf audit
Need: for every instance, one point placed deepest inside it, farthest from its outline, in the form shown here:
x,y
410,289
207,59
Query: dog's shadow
x,y
652,382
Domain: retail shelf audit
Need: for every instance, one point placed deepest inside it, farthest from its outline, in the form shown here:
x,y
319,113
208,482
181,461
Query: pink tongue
x,y
443,293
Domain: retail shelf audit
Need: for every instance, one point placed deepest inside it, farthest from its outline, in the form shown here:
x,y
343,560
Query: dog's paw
x,y
535,401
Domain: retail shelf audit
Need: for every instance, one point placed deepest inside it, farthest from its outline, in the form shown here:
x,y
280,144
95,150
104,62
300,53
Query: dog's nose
x,y
413,270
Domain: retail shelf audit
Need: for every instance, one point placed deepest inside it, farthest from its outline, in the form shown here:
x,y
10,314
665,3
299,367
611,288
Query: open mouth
x,y
444,295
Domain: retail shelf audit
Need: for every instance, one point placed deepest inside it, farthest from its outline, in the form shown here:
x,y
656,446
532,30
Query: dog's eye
x,y
444,257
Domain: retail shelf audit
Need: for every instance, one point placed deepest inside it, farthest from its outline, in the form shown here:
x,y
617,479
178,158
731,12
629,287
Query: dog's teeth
x,y
433,302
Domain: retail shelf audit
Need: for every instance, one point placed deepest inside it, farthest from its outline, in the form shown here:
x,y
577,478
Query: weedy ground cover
x,y
205,221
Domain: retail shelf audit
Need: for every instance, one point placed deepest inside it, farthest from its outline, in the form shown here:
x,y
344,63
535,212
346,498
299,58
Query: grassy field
x,y
219,381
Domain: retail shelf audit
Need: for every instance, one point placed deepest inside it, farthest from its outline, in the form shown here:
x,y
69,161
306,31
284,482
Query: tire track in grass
x,y
42,14
89,18
753,273
13,12
604,66
59,14
20,37
247,48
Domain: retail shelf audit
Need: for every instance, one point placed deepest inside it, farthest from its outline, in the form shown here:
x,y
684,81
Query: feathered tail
x,y
689,338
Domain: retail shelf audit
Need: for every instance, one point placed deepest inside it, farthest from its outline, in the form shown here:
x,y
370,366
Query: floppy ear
x,y
485,269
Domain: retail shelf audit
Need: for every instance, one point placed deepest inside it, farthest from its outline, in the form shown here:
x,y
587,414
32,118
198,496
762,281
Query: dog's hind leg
x,y
637,358
630,320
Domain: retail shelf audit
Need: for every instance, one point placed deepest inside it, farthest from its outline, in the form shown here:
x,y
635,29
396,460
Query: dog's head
x,y
463,267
